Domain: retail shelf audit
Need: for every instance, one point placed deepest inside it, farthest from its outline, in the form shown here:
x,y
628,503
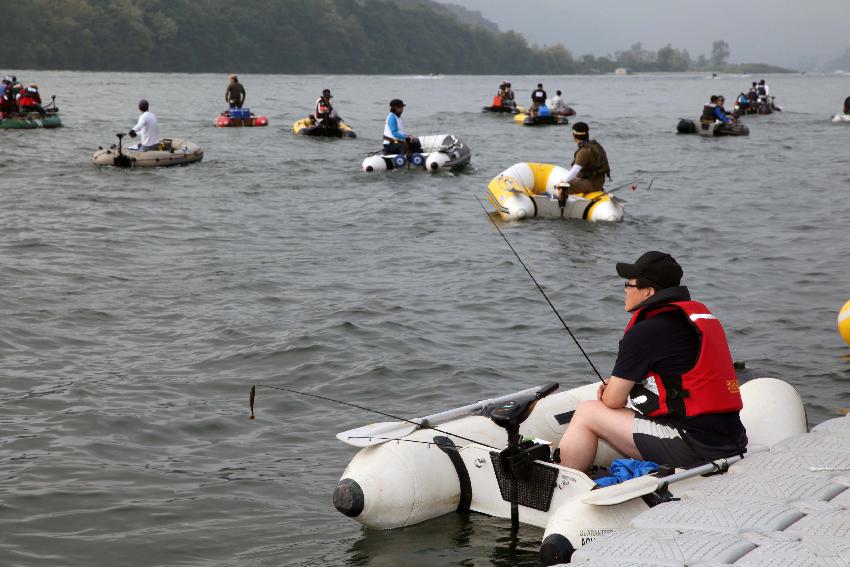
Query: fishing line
x,y
423,425
540,288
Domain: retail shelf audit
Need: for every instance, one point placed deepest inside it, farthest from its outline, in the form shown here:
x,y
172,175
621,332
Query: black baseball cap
x,y
659,268
397,102
327,92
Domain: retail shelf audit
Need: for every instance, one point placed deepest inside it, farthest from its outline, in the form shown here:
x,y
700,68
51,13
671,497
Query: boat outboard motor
x,y
516,459
122,159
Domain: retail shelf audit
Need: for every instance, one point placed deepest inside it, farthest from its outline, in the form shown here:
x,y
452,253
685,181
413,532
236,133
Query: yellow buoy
x,y
844,322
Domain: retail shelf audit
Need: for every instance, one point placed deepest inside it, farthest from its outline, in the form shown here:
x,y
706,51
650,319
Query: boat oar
x,y
643,485
381,432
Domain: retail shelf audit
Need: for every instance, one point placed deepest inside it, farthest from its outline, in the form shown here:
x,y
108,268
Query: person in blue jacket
x,y
713,111
720,112
396,140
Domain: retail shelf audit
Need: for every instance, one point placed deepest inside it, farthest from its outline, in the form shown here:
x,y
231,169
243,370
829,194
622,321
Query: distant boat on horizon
x,y
622,71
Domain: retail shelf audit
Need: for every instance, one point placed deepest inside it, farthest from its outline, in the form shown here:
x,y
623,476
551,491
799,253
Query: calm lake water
x,y
139,306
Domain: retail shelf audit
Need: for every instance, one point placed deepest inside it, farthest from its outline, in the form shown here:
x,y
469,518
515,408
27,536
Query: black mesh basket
x,y
536,492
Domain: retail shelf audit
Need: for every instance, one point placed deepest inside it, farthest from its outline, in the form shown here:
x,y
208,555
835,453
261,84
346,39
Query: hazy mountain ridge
x,y
291,36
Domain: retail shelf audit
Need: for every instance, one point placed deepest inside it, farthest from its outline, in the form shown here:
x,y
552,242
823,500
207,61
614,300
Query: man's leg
x,y
591,422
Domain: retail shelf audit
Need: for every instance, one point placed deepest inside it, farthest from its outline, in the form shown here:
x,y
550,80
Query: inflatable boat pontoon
x,y
527,190
841,118
308,127
542,120
32,119
686,126
439,152
406,474
240,117
174,151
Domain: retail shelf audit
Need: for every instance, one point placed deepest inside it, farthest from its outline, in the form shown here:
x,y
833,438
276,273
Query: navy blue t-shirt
x,y
668,344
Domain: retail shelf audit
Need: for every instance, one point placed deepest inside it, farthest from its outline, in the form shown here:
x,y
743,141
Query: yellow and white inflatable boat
x,y
527,190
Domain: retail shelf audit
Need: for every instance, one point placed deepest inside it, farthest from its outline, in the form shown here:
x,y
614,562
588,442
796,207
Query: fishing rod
x,y
385,414
633,184
541,290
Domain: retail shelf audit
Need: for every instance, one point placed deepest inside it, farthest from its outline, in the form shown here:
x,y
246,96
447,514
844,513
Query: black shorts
x,y
663,444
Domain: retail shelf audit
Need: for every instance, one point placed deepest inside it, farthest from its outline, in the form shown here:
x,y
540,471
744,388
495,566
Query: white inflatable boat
x,y
527,190
439,151
841,118
456,461
176,151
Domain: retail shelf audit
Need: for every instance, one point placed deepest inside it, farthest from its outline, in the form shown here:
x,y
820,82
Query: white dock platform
x,y
787,507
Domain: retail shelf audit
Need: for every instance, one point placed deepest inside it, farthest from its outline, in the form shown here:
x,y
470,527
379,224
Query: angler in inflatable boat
x,y
493,457
538,100
20,108
674,367
590,164
845,113
534,190
234,94
558,107
714,121
151,151
396,140
503,101
148,127
324,121
401,150
437,152
236,115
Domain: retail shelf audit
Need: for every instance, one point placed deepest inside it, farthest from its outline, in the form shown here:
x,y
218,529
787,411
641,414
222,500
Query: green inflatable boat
x,y
29,120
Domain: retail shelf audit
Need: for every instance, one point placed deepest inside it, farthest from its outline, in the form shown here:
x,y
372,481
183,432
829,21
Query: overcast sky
x,y
793,33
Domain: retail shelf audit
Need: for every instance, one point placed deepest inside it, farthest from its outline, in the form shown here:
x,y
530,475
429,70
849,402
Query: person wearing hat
x,y
29,100
589,168
7,99
673,368
506,94
235,93
538,98
396,140
324,113
148,127
762,90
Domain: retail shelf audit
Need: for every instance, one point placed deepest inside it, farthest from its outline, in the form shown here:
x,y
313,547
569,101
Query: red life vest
x,y
323,107
27,100
711,386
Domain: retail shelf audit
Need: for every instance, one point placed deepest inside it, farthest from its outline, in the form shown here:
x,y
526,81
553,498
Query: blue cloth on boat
x,y
626,469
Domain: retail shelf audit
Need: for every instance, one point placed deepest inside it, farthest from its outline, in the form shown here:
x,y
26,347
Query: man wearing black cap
x,y
674,368
324,113
396,140
590,165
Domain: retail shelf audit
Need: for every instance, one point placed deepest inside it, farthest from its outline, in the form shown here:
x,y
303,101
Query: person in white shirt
x,y
148,127
557,104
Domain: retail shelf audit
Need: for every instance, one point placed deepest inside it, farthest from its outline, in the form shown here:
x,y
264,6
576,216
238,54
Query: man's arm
x,y
615,392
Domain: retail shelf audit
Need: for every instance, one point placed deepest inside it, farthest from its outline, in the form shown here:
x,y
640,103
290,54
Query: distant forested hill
x,y
272,36
293,36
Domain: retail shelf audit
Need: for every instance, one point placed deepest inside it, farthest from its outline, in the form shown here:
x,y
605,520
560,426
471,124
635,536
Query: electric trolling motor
x,y
518,457
122,159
